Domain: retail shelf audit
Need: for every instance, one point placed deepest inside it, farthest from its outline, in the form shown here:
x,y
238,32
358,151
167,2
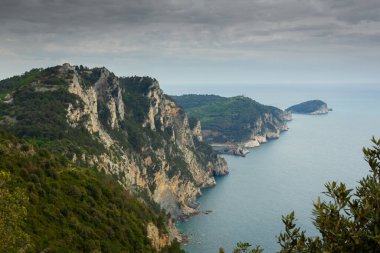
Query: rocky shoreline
x,y
242,148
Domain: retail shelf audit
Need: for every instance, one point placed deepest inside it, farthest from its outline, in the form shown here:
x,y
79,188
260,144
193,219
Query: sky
x,y
198,42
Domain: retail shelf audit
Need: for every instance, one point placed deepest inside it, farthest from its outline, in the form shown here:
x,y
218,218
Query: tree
x,y
244,247
12,215
348,222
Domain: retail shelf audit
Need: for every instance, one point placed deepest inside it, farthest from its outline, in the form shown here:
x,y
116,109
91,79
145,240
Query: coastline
x,y
243,148
255,142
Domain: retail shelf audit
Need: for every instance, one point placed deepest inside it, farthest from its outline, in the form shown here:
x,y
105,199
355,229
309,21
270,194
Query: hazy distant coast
x,y
311,107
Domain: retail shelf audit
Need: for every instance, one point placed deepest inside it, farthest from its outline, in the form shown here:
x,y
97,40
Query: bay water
x,y
287,174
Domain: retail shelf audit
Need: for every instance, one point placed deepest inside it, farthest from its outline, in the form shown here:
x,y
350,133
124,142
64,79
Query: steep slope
x,y
313,107
69,208
126,127
235,119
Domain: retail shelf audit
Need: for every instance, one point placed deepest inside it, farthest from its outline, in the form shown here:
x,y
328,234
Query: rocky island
x,y
311,107
234,123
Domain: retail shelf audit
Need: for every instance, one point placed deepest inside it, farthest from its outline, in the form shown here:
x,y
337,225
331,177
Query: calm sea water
x,y
285,174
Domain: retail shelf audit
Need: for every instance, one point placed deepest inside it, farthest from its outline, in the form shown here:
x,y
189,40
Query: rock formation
x,y
235,120
138,134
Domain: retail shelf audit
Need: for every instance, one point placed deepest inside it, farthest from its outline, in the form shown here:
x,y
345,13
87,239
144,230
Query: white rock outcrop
x,y
175,191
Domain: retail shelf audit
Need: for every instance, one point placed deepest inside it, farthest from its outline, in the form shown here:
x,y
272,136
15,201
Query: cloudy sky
x,y
183,42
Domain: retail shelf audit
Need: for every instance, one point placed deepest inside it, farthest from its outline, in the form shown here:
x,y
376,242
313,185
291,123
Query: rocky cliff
x,y
239,120
125,126
49,204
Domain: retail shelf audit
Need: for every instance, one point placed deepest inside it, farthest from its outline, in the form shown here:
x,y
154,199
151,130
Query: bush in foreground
x,y
349,221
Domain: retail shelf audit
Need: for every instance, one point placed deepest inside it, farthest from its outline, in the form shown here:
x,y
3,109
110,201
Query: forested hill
x,y
49,204
233,119
124,127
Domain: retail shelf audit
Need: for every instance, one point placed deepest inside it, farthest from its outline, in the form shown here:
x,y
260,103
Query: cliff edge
x,y
124,126
234,120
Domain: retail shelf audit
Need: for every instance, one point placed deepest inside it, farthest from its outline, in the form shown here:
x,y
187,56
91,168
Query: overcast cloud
x,y
197,41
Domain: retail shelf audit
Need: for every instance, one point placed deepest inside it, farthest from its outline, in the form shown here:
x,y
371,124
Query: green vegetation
x,y
38,111
307,107
137,84
349,221
41,116
71,207
231,119
12,212
190,101
244,247
49,204
134,97
54,205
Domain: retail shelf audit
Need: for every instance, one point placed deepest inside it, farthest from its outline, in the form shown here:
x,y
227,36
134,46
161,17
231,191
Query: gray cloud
x,y
171,30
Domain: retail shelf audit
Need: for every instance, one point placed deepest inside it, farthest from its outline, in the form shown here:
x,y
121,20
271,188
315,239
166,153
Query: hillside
x,y
122,126
313,107
69,208
234,119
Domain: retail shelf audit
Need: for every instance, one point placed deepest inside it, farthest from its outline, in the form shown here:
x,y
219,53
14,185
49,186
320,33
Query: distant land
x,y
234,120
312,107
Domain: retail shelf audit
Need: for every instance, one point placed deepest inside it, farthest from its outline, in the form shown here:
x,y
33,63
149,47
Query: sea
x,y
287,174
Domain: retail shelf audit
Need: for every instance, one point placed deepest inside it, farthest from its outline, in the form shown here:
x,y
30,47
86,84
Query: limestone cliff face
x,y
124,126
236,120
269,126
158,240
323,109
150,145
197,130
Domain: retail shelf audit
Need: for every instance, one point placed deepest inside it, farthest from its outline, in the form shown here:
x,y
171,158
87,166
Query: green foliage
x,y
41,116
244,247
351,221
12,215
89,77
232,118
48,76
295,240
178,165
137,85
174,248
70,209
67,203
193,101
137,107
134,97
348,222
11,84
